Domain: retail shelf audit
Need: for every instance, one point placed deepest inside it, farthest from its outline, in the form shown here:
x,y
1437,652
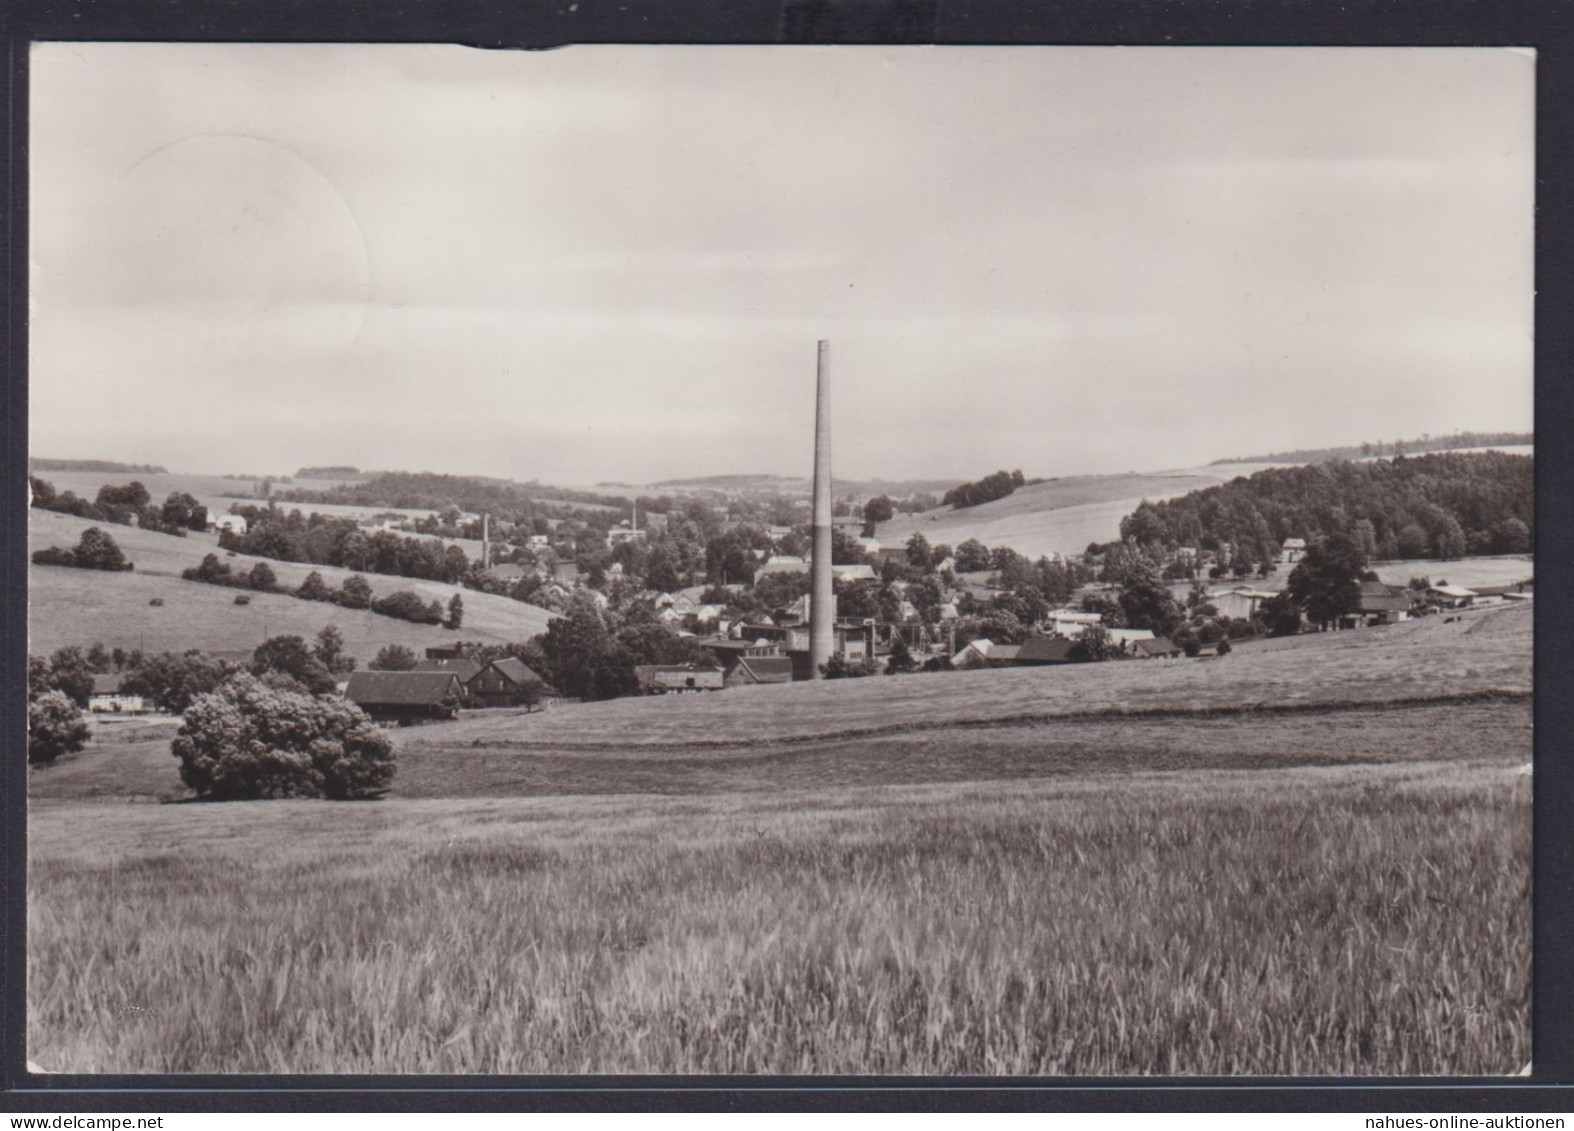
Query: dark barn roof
x,y
1158,646
516,669
1044,650
401,689
463,666
766,669
1379,598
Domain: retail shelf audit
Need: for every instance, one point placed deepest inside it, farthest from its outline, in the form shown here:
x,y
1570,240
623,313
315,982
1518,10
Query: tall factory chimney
x,y
822,599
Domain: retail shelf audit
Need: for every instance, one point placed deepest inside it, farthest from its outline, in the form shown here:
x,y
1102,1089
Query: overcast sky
x,y
614,262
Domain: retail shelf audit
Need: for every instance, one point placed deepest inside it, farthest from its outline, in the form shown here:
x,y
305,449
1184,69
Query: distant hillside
x,y
1441,505
1371,448
43,463
794,485
72,606
433,491
1056,516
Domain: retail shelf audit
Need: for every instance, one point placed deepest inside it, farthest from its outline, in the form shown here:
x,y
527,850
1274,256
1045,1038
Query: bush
x,y
246,741
356,593
97,550
405,605
839,668
262,577
1225,646
242,599
55,726
157,601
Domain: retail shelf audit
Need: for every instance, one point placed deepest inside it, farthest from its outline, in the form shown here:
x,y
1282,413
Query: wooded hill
x,y
1437,506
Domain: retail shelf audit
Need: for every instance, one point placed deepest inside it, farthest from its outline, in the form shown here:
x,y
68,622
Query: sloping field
x,y
736,883
1061,516
70,606
1424,659
1338,920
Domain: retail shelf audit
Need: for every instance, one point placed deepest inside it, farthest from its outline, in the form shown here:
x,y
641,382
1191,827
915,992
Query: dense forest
x,y
1380,448
1431,506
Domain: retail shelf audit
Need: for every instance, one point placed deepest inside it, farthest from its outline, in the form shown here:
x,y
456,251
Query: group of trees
x,y
987,489
126,505
212,571
94,550
1438,506
592,653
323,540
272,729
356,592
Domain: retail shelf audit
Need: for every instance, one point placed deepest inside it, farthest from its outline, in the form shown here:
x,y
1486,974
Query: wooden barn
x,y
406,696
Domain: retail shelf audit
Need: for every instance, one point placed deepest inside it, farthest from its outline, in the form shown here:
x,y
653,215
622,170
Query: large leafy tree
x,y
292,656
248,741
55,726
573,644
1327,580
1145,601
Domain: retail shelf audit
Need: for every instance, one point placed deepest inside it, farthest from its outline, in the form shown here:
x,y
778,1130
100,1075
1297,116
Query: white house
x,y
107,696
1451,596
1239,602
1292,550
234,523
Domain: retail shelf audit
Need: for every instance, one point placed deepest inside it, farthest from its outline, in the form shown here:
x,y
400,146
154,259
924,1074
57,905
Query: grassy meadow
x,y
72,606
1100,870
1060,516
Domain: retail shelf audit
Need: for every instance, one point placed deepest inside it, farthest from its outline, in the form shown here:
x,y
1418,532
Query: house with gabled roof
x,y
1160,647
1382,604
508,682
751,671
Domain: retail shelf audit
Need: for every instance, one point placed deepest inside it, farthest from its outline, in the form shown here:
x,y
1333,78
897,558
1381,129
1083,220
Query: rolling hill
x,y
71,606
1059,516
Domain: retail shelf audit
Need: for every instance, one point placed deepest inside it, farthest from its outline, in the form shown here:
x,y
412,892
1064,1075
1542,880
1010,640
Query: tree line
x,y
985,490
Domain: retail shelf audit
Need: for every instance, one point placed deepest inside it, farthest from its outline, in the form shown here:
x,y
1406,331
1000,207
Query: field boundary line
x,y
1023,718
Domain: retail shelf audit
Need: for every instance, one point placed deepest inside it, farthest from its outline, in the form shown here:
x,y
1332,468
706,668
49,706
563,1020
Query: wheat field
x,y
1339,887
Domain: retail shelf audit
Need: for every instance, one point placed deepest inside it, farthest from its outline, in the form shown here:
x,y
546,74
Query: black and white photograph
x,y
780,561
